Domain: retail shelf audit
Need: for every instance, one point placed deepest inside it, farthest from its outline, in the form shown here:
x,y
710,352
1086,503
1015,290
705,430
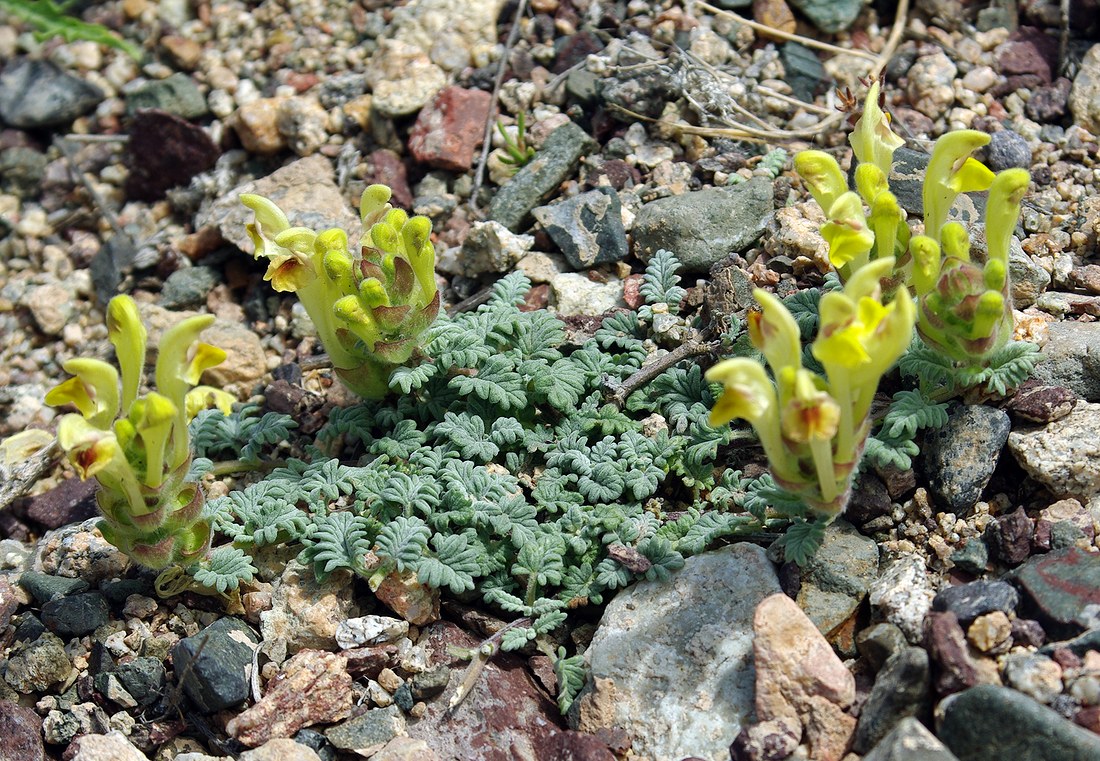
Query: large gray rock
x,y
1071,358
36,94
671,662
705,226
1064,455
987,722
900,691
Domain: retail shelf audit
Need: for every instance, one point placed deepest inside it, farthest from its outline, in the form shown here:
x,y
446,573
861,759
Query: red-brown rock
x,y
450,128
946,643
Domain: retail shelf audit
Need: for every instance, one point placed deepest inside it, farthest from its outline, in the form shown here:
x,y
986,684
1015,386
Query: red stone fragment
x,y
450,128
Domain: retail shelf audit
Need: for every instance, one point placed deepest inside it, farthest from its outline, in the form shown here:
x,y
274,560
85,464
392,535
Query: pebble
x,y
303,122
903,595
306,613
38,665
369,630
554,163
946,645
1010,536
368,732
930,88
877,643
574,293
1062,583
990,633
901,690
705,226
450,128
829,16
187,287
313,687
835,580
44,587
1007,149
910,741
36,94
997,722
178,95
1037,676
279,749
403,78
51,307
968,601
668,661
800,679
588,228
959,458
1063,455
1084,97
214,665
1070,360
20,732
489,246
113,746
257,126
75,615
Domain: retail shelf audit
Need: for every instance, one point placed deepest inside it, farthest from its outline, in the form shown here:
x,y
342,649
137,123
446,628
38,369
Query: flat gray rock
x,y
672,663
1063,455
1071,358
910,741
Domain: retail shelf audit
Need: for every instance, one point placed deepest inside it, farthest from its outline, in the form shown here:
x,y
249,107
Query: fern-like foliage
x,y
661,284
243,434
224,569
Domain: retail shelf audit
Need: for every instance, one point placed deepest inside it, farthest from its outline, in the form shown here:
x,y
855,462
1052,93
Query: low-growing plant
x,y
137,446
370,306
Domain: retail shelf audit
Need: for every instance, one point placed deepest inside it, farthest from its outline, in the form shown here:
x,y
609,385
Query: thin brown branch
x,y
618,393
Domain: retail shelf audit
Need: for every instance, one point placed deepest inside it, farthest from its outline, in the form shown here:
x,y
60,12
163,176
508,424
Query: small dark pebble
x,y
972,557
117,590
1037,402
1011,537
968,601
77,615
1028,632
403,698
44,587
947,646
1006,150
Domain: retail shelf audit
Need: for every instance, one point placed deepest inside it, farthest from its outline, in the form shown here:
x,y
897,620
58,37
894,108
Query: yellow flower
x,y
810,414
773,331
748,394
873,142
846,232
90,449
847,329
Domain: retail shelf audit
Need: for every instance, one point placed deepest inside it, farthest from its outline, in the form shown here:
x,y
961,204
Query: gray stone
x,y
1007,149
1063,455
903,595
588,228
44,587
705,226
177,94
38,665
112,746
901,690
1071,358
910,741
367,733
907,183
215,664
21,170
987,722
489,247
968,601
960,458
1084,97
188,287
1037,676
1027,280
804,71
143,678
37,94
555,163
77,615
671,661
1062,584
830,16
574,293
877,643
836,579
972,557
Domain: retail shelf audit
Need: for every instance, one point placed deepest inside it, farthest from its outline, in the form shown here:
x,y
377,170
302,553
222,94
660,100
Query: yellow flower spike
x,y
94,390
204,357
886,221
174,369
867,281
126,332
269,218
1002,209
416,236
995,275
810,414
840,336
288,273
24,445
153,421
926,264
773,331
822,176
955,241
846,232
870,181
90,449
374,204
373,294
207,397
872,140
333,240
385,237
951,171
358,320
749,395
300,240
988,314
